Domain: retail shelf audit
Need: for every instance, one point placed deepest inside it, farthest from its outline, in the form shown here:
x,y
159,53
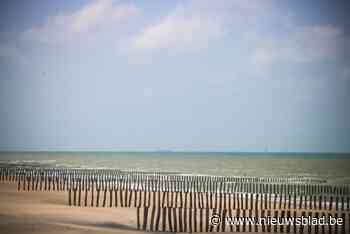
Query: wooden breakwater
x,y
186,203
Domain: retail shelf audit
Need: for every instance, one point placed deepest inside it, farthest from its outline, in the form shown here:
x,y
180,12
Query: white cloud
x,y
196,24
64,28
304,44
177,31
254,26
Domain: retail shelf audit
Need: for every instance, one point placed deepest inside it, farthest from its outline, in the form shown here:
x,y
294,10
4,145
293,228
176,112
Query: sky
x,y
223,75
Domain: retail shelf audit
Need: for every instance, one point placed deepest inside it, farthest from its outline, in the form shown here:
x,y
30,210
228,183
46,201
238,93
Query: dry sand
x,y
48,212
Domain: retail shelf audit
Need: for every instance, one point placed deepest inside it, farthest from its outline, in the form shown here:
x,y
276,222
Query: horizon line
x,y
171,151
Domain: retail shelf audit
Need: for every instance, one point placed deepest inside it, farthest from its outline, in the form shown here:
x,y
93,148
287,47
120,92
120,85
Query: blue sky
x,y
182,75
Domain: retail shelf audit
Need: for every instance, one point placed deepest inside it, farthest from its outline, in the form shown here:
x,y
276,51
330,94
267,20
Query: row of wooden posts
x,y
133,198
187,203
62,179
270,195
149,183
7,173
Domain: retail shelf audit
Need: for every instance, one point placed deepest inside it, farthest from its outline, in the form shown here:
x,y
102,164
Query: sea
x,y
334,168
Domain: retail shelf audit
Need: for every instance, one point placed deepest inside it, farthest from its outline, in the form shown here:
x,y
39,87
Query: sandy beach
x,y
48,212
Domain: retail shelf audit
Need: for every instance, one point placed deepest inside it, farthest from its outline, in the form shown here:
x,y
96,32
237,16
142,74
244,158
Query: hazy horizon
x,y
169,151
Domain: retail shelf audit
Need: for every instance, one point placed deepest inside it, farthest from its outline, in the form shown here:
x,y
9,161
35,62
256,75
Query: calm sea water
x,y
333,167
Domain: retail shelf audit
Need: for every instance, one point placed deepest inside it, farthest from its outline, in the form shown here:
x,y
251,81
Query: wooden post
x,y
262,215
69,197
79,195
190,214
294,223
282,216
195,212
98,195
164,219
28,182
110,197
323,226
36,181
343,227
336,225
50,178
131,192
207,219
244,221
289,201
268,225
153,211
75,193
85,196
121,190
175,219
201,219
288,217
138,217
256,216
145,216
185,213
301,228
104,197
316,226
92,193
19,184
126,188
180,219
158,218
41,181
